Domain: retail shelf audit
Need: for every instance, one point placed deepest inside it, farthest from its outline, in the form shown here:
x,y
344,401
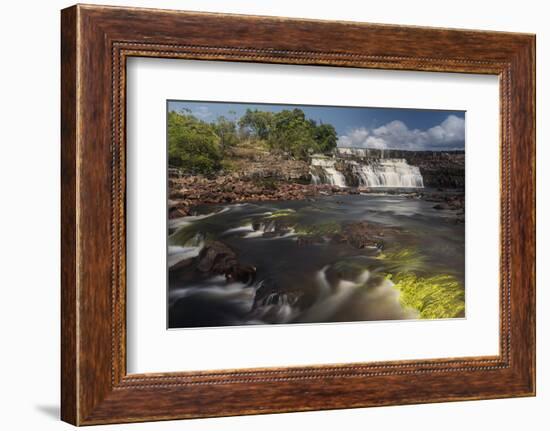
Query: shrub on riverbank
x,y
193,145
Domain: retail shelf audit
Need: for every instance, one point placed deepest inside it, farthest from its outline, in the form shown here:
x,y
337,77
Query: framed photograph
x,y
329,214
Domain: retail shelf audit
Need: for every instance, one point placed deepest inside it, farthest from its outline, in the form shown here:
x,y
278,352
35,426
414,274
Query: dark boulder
x,y
361,235
219,258
216,258
270,294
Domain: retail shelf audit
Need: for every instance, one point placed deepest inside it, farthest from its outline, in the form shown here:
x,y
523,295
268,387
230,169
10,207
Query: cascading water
x,y
388,173
372,173
323,171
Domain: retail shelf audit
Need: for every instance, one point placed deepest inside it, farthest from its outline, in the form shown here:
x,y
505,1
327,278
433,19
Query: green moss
x,y
281,213
188,236
181,235
402,260
436,297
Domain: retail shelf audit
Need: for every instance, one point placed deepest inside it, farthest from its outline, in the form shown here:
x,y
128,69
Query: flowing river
x,y
338,258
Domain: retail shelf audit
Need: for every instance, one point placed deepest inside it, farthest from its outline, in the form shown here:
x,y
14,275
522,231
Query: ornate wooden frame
x,y
95,42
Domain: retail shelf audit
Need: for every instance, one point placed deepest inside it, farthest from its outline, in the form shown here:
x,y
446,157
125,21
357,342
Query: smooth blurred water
x,y
309,281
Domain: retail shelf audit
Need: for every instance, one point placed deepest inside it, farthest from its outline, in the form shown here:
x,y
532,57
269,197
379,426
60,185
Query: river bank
x,y
189,191
186,192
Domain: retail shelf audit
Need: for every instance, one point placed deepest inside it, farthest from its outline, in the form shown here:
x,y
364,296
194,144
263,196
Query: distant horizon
x,y
405,129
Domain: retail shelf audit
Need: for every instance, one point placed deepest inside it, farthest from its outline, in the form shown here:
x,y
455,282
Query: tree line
x,y
199,147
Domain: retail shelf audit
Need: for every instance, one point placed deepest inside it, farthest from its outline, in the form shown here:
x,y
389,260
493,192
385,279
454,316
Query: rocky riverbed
x,y
341,256
187,192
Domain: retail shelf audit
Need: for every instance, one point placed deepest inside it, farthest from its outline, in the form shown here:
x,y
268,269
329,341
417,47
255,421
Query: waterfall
x,y
388,173
323,171
367,173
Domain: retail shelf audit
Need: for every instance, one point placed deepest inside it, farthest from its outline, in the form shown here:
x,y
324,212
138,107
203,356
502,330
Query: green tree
x,y
227,132
193,145
293,133
326,137
257,123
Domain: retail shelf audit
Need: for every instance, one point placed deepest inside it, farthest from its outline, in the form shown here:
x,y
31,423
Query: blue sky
x,y
412,129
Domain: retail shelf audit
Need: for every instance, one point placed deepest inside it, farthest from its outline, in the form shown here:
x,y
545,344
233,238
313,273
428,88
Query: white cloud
x,y
396,135
202,113
355,138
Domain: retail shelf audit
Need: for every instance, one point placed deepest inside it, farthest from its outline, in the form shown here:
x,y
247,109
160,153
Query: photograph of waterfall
x,y
289,214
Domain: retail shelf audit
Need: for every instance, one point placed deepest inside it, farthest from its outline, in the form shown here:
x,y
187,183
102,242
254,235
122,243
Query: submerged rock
x,y
218,258
363,235
276,304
